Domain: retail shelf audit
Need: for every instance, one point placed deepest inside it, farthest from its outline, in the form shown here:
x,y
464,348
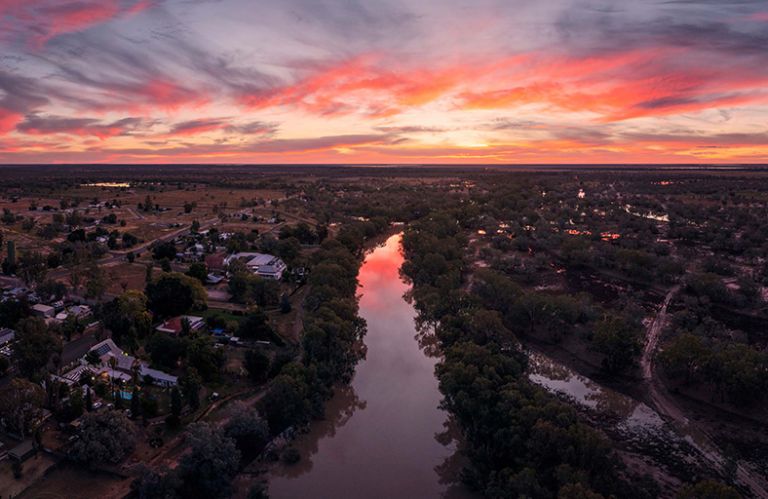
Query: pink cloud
x,y
43,20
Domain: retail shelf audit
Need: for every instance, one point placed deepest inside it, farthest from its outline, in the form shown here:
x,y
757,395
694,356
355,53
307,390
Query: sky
x,y
383,82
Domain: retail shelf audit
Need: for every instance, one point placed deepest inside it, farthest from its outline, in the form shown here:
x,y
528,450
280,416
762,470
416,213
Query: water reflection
x,y
634,424
385,435
338,412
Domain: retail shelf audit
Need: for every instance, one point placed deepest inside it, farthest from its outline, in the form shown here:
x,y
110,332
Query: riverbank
x,y
384,434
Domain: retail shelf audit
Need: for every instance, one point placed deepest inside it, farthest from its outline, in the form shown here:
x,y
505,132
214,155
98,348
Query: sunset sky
x,y
374,81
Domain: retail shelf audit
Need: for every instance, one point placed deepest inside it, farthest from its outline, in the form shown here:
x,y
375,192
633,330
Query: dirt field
x,y
69,482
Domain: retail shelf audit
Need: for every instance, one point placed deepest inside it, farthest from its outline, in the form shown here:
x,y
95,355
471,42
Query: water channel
x,y
384,435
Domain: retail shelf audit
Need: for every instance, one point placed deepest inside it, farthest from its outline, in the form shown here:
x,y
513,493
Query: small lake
x,y
384,435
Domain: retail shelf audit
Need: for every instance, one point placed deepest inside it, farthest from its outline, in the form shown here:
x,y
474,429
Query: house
x,y
175,325
124,365
22,452
6,336
107,350
158,378
80,311
215,262
44,311
263,265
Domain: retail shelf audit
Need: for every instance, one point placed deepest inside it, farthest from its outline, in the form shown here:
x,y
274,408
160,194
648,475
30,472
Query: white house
x,y
261,264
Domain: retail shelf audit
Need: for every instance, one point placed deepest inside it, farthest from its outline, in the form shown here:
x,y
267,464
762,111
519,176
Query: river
x,y
384,435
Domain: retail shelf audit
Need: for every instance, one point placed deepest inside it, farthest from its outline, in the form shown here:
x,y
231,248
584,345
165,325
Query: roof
x,y
39,307
174,325
107,348
75,374
21,450
268,269
158,375
254,259
7,335
80,309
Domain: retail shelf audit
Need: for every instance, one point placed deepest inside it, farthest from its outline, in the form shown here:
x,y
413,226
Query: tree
x,y
127,317
199,271
165,350
105,437
258,491
21,404
135,402
175,294
256,327
12,311
247,429
618,339
257,364
286,403
190,384
152,484
248,288
32,267
206,471
708,489
685,355
75,406
176,405
164,250
204,358
52,289
738,371
97,282
34,346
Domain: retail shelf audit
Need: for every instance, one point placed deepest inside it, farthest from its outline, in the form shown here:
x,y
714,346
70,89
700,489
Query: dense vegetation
x,y
522,442
332,333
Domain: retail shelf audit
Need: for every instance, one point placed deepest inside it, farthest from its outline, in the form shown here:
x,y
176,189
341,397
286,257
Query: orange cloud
x,y
623,86
616,86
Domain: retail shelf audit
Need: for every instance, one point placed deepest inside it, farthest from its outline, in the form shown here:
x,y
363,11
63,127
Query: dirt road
x,y
663,402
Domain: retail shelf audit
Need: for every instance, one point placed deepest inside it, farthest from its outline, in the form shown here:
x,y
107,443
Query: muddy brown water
x,y
384,435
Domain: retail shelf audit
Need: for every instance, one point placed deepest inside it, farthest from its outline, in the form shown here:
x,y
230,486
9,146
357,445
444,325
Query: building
x,y
79,312
263,265
22,452
44,311
158,378
124,365
215,262
6,336
175,326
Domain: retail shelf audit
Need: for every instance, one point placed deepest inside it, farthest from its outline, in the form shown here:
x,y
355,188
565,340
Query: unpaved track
x,y
661,400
